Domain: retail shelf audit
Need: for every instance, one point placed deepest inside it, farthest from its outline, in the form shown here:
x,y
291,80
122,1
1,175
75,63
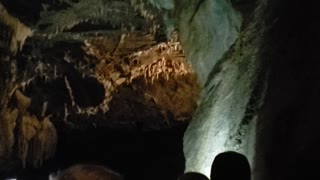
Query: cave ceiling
x,y
93,63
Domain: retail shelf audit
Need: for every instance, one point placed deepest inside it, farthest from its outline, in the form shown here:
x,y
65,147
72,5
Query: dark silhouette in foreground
x,y
230,166
193,176
86,172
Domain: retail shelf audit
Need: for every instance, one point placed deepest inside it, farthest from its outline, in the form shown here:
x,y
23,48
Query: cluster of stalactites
x,y
160,68
36,139
164,60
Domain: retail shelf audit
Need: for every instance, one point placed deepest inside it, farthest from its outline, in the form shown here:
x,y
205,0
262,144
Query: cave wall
x,y
260,97
287,132
79,59
212,27
257,62
225,117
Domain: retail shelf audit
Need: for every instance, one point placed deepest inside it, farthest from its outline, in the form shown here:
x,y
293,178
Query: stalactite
x,y
43,145
8,115
8,123
161,61
69,90
23,102
29,126
36,141
18,31
163,67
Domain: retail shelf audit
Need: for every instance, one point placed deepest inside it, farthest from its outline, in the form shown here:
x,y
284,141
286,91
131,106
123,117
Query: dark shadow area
x,y
55,93
87,92
287,131
155,155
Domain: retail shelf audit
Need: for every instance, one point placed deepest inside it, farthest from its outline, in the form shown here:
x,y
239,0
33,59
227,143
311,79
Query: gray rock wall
x,y
228,64
207,30
261,98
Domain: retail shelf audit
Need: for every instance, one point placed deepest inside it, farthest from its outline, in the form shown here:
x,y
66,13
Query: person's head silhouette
x,y
86,172
230,166
193,176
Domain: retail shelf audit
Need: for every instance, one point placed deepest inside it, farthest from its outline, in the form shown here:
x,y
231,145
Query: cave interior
x,y
155,88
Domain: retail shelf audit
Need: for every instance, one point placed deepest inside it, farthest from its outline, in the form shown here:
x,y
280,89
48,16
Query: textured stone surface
x,y
266,111
84,57
165,4
207,30
279,133
225,119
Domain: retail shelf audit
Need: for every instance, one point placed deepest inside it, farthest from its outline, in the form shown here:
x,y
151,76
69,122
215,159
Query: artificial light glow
x,y
209,148
211,132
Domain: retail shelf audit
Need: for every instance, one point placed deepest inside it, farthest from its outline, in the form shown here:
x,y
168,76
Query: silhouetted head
x,y
230,166
87,172
193,176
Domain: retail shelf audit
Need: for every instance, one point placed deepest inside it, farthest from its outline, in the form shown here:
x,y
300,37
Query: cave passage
x,y
156,155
